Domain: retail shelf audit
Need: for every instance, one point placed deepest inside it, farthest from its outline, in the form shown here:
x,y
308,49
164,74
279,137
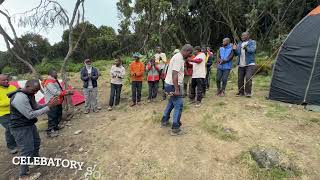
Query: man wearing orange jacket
x,y
52,88
136,71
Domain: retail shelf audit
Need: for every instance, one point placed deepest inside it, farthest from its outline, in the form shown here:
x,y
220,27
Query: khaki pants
x,y
90,95
186,85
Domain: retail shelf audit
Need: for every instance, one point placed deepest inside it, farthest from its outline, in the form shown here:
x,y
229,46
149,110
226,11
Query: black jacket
x,y
85,78
18,119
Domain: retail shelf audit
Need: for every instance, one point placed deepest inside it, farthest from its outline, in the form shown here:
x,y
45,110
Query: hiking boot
x,y
149,101
248,95
32,176
218,93
99,108
96,110
198,104
175,132
109,108
52,134
139,103
239,94
86,111
165,124
132,104
59,127
13,151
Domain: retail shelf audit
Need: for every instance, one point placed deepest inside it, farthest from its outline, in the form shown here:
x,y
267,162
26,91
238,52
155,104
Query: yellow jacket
x,y
4,100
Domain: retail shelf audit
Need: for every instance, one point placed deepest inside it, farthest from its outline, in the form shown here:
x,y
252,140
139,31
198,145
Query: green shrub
x,y
102,64
74,67
9,70
45,68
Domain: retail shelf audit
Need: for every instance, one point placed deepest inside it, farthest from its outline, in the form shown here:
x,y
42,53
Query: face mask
x,y
88,66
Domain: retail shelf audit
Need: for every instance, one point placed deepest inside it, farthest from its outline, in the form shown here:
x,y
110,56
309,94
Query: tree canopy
x,y
145,24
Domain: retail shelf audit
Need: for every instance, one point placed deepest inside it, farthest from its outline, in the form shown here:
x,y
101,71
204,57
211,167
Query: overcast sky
x,y
98,12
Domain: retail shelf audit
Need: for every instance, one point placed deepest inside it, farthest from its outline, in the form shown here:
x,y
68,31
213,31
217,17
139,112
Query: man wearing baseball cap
x,y
136,71
89,75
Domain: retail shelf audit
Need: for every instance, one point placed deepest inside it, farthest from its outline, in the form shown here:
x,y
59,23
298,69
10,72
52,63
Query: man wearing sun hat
x,y
136,71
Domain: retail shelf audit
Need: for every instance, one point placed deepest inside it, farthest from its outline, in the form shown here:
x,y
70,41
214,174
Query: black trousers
x,y
115,94
153,89
197,88
5,121
29,141
54,117
245,79
164,95
136,87
208,76
222,78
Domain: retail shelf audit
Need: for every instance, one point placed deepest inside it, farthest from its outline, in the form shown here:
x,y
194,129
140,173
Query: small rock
x,y
265,157
113,118
228,130
72,144
77,132
81,150
280,138
68,124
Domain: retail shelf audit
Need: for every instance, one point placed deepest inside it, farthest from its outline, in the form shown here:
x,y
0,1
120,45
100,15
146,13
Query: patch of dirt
x,y
128,143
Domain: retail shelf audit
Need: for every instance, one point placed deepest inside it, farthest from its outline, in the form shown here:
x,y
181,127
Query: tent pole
x,y
312,71
275,63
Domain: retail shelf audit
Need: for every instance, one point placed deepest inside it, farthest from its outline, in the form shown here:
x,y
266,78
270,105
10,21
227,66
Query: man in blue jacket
x,y
89,75
224,66
245,51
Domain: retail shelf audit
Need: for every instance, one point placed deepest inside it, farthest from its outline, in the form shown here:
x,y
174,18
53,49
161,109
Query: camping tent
x,y
296,73
77,98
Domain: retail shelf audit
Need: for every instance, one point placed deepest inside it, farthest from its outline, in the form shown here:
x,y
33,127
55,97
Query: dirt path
x,y
128,144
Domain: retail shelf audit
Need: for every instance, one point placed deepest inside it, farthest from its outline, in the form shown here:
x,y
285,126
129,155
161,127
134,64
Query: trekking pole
x,y
268,61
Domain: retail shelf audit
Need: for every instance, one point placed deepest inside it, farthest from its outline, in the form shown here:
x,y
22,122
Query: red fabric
x,y
15,83
77,97
188,69
51,81
197,60
154,77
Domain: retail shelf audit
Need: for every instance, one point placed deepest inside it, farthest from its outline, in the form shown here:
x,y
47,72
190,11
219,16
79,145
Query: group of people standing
x,y
186,74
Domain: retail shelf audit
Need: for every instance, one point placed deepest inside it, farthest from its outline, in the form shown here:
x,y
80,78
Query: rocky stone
x,y
266,157
113,118
81,150
228,130
77,132
271,158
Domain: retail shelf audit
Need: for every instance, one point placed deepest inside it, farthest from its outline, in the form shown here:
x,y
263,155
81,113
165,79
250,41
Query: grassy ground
x,y
127,143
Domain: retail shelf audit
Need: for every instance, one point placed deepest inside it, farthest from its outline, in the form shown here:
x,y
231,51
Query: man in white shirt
x,y
174,87
161,60
198,76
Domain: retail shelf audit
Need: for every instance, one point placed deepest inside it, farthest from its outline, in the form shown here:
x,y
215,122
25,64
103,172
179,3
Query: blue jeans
x,y
176,103
222,78
29,141
4,121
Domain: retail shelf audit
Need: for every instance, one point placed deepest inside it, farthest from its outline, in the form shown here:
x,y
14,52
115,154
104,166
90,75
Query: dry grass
x,y
127,142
